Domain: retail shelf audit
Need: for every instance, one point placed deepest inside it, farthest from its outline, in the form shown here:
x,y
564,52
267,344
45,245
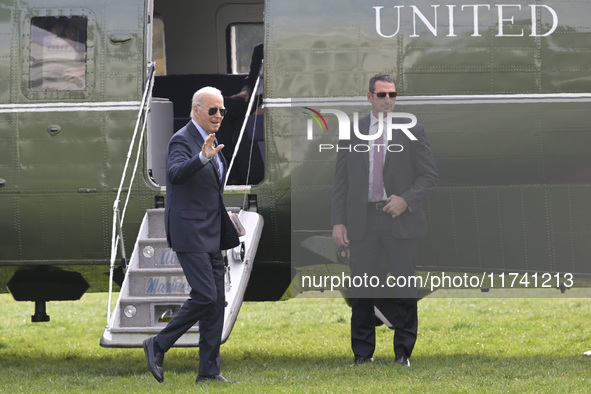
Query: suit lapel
x,y
398,137
196,135
387,153
364,125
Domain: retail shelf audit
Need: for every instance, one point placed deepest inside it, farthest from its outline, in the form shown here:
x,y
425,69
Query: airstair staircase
x,y
155,287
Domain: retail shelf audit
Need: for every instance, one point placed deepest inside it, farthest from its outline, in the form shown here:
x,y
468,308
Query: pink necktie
x,y
377,182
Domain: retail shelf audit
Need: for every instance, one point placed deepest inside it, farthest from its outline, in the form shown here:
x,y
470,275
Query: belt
x,y
378,206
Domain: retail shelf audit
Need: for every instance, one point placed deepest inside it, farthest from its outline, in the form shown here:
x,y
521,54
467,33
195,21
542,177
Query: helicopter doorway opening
x,y
238,30
241,132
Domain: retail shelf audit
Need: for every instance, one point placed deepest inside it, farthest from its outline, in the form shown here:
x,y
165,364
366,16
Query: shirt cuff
x,y
203,159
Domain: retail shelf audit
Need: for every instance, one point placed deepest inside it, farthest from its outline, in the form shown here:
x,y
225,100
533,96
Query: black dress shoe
x,y
215,378
403,360
155,360
361,360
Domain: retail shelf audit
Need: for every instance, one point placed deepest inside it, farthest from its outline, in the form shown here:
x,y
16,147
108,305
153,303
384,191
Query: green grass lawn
x,y
302,345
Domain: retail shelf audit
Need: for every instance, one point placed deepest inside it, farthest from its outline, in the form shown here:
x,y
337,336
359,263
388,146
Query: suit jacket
x,y
194,195
410,174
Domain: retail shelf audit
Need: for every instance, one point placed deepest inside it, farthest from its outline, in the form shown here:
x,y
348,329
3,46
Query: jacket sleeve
x,y
182,162
338,208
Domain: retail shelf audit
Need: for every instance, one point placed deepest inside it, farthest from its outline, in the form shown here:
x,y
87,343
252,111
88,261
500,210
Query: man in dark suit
x,y
256,64
195,171
377,211
249,166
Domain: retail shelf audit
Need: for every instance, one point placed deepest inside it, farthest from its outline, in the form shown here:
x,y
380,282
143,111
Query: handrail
x,y
119,218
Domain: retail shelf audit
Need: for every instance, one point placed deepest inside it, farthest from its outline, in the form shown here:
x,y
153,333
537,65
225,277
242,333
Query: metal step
x,y
156,223
129,339
155,253
140,312
157,282
148,330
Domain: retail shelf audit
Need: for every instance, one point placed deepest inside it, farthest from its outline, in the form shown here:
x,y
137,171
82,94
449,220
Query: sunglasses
x,y
383,94
213,110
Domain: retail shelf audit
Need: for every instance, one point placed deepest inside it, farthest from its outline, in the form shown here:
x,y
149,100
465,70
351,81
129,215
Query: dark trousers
x,y
366,257
205,275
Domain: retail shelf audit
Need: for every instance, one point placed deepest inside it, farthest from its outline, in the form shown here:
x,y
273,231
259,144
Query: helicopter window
x,y
158,46
242,38
58,53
